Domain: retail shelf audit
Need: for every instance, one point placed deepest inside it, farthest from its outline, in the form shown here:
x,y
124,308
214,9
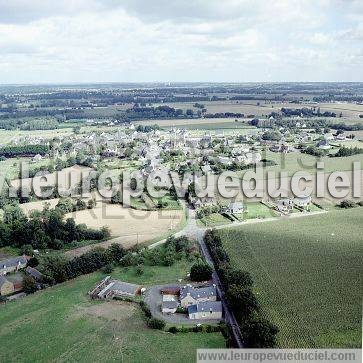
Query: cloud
x,y
233,40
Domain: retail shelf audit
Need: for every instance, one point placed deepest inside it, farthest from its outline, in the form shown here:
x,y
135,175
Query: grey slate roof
x,y
206,306
14,261
119,287
197,293
169,304
3,280
34,273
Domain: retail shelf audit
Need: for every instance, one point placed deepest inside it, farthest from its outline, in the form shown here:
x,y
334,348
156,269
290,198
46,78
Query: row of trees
x,y
348,151
43,229
29,124
24,150
257,331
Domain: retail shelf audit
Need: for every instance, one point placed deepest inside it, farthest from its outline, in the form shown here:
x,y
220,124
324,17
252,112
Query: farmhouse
x,y
302,201
202,202
285,205
191,296
6,287
12,264
235,207
205,310
323,144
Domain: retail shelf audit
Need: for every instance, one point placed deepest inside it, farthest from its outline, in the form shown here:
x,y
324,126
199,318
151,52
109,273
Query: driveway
x,y
154,298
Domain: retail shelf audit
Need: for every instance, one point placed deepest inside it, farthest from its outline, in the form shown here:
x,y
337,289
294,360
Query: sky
x,y
81,41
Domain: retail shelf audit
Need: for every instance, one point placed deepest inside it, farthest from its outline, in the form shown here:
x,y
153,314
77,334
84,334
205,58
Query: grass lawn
x,y
256,210
307,274
170,202
6,252
213,220
63,324
153,275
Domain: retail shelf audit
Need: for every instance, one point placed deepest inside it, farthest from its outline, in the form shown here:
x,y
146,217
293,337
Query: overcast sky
x,y
47,41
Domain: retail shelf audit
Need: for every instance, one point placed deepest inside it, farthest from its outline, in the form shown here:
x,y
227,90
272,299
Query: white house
x,y
235,207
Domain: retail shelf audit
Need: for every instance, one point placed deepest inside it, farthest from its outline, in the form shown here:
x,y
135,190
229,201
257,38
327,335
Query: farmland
x,y
128,222
67,326
307,273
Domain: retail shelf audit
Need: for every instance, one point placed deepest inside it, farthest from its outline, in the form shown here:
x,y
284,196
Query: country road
x,y
192,230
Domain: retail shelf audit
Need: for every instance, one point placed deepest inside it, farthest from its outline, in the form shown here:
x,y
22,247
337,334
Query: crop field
x,y
126,221
293,162
7,135
307,274
186,122
350,111
62,324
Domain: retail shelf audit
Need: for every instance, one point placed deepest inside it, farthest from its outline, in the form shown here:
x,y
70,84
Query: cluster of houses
x,y
10,285
11,277
199,302
286,205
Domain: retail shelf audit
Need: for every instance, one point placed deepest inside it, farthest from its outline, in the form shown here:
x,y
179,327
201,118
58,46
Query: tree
x,y
201,271
260,334
139,270
108,268
117,198
91,203
33,262
237,277
116,251
242,300
29,284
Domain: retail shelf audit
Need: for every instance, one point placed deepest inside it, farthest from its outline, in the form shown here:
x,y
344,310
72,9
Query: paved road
x,y
194,231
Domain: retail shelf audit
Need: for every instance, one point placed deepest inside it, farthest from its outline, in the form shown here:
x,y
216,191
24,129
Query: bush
x,y
173,329
154,323
29,284
347,204
108,268
27,250
139,270
145,309
181,310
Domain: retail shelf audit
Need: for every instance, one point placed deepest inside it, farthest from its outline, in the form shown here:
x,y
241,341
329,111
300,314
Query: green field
x,y
7,135
62,324
308,275
256,210
293,162
213,220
